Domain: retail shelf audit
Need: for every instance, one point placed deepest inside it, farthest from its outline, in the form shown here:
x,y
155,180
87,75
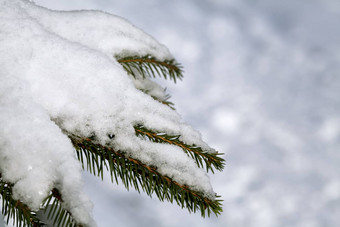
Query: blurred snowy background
x,y
262,84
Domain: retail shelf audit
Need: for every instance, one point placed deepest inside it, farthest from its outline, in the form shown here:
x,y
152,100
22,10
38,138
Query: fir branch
x,y
15,209
167,102
163,101
22,215
56,212
134,173
210,159
150,66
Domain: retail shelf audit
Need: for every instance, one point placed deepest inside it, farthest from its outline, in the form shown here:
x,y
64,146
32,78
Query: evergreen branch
x,y
56,212
23,216
134,173
163,101
210,159
168,103
15,209
150,66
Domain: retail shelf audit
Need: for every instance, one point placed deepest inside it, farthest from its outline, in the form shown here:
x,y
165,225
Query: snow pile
x,y
58,72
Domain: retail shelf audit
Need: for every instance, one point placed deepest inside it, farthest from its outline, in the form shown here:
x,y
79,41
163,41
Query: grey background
x,y
262,85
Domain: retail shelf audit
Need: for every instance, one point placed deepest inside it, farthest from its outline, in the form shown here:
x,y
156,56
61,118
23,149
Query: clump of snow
x,y
34,154
57,75
101,31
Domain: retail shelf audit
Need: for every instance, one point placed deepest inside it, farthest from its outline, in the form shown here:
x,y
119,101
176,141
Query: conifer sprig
x,y
149,66
167,102
55,211
164,101
134,173
210,159
23,216
15,209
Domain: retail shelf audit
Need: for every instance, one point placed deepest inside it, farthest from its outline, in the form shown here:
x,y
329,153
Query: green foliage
x,y
210,159
164,101
53,209
16,210
131,172
149,66
21,214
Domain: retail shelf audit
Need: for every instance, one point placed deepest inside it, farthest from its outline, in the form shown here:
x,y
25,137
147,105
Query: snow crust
x,y
58,74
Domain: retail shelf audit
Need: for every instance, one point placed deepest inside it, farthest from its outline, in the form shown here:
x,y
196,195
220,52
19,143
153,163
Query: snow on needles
x,y
58,74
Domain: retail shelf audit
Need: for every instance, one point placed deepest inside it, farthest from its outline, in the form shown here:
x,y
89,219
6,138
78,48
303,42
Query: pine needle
x,y
150,66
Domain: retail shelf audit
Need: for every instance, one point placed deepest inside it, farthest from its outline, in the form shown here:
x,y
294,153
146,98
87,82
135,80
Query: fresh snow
x,y
58,75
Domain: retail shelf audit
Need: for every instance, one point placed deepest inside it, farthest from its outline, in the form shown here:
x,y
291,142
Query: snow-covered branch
x,y
65,84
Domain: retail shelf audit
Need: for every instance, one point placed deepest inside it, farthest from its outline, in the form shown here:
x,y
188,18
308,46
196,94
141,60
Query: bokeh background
x,y
262,84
